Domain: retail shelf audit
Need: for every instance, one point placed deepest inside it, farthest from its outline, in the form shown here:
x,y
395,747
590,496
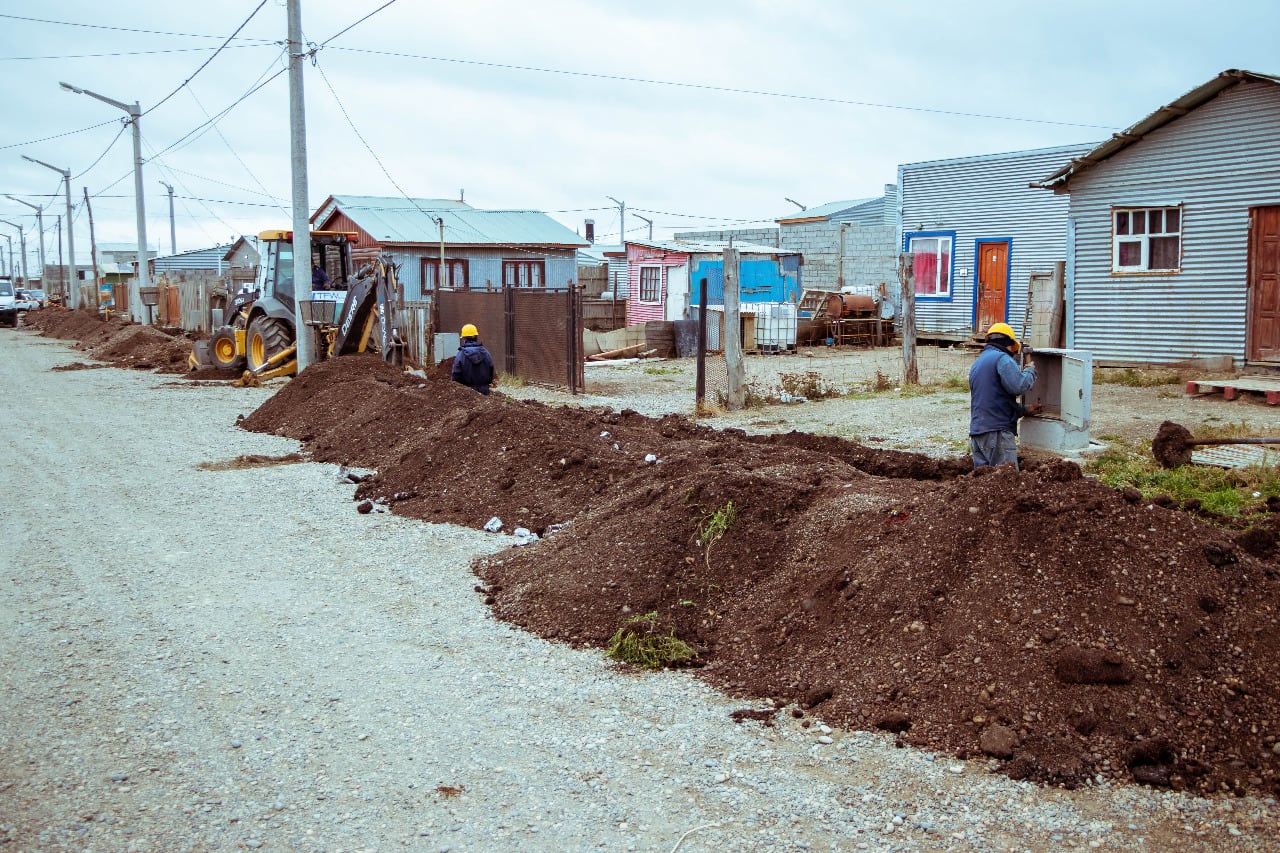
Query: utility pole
x,y
40,227
622,219
59,245
73,290
93,259
298,170
22,244
173,233
135,120
10,267
650,221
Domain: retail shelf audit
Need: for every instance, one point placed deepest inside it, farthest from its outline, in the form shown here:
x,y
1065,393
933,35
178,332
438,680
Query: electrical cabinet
x,y
1064,390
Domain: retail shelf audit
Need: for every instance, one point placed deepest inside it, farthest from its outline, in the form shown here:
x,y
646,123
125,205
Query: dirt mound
x,y
117,341
1038,618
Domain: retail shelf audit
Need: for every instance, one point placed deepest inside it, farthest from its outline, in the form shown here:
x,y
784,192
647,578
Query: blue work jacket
x,y
995,383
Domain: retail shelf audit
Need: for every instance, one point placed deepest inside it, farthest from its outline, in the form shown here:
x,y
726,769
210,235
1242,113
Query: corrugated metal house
x,y
205,260
483,249
1174,230
975,231
664,275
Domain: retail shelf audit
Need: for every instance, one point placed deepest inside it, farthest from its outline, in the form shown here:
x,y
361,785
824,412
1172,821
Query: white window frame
x,y
657,300
1142,221
949,241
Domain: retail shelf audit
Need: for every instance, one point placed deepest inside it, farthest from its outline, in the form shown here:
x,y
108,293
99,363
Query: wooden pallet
x,y
1231,388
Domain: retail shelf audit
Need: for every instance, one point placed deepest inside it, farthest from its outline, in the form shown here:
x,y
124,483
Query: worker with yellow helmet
x,y
472,366
995,384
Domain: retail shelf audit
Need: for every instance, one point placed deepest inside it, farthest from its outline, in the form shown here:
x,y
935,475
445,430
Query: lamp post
x,y
40,230
22,244
650,221
72,295
173,234
10,270
622,219
143,278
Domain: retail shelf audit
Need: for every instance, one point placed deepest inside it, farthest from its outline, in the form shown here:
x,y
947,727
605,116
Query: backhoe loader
x,y
261,335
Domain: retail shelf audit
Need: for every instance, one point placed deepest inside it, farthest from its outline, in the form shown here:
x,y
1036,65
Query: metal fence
x,y
531,332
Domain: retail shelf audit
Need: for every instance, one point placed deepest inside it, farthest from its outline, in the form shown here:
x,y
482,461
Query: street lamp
x,y
71,296
22,244
796,203
650,221
173,234
39,225
135,120
622,219
10,239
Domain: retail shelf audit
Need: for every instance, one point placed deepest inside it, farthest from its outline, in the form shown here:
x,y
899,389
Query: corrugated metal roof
x,y
400,220
196,259
1135,132
599,253
709,247
826,211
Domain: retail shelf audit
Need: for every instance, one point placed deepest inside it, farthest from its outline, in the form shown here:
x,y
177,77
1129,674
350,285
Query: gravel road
x,y
235,659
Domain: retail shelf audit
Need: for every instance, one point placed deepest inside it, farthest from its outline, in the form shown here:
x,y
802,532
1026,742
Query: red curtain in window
x,y
924,266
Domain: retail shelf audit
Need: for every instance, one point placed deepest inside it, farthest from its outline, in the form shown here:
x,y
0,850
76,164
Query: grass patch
x,y
810,384
1225,491
955,381
509,380
1135,377
661,371
713,526
640,642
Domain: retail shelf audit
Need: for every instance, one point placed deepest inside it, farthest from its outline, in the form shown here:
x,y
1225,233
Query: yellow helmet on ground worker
x,y
1006,330
469,331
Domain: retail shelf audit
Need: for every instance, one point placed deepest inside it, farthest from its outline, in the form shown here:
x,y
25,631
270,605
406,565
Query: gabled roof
x,y
709,247
196,259
1136,132
825,211
415,221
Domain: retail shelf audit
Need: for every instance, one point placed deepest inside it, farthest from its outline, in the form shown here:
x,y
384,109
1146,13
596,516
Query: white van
x,y
8,306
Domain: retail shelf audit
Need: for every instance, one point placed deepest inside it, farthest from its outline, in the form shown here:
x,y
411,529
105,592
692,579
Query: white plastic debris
x,y
524,536
553,529
604,434
650,459
786,397
493,525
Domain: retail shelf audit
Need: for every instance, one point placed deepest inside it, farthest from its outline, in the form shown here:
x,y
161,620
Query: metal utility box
x,y
1064,388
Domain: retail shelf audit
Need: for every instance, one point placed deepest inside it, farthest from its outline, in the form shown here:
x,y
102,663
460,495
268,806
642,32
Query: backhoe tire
x,y
222,350
266,337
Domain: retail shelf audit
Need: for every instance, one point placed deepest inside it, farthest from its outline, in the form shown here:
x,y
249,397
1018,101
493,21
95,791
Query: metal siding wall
x,y
980,198
1217,161
641,312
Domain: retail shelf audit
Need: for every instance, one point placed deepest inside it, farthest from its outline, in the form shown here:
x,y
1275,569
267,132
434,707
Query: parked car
x,y
38,295
25,300
8,303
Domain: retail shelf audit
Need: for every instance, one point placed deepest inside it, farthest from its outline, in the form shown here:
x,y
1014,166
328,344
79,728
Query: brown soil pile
x,y
1038,618
117,341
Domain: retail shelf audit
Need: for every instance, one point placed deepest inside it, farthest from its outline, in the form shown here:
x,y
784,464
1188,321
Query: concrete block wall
x,y
759,236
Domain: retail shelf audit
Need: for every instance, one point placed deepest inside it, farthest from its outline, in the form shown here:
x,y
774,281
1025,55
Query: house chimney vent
x,y
590,227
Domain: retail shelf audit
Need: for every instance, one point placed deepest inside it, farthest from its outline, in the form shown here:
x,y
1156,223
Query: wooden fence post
x,y
907,307
736,397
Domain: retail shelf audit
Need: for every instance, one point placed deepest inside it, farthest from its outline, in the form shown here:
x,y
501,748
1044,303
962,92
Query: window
x,y
523,273
650,284
455,273
931,263
1146,239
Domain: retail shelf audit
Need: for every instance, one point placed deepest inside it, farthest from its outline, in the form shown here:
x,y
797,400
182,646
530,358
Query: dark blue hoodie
x,y
995,382
473,366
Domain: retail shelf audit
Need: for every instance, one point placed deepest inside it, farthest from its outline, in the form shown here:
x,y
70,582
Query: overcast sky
x,y
696,114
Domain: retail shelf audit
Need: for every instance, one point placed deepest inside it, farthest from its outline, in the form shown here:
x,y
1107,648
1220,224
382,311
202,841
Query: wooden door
x,y
1264,284
993,284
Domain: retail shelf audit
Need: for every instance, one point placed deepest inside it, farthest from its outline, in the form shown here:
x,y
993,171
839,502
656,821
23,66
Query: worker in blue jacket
x,y
995,383
473,366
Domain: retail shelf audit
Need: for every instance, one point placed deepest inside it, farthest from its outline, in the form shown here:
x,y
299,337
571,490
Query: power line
x,y
211,57
123,126
221,114
58,135
356,24
710,88
118,53
117,29
234,153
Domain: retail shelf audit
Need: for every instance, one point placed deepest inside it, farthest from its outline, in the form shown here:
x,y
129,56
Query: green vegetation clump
x,y
714,525
509,380
810,384
1231,492
640,642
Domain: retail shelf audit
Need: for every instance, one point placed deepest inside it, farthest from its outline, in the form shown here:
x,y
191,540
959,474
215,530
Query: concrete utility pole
x,y
72,294
650,221
9,269
298,169
736,396
135,120
622,219
22,244
40,229
173,233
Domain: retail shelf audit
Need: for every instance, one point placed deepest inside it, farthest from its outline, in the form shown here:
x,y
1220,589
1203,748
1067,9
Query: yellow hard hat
x,y
470,331
1003,329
